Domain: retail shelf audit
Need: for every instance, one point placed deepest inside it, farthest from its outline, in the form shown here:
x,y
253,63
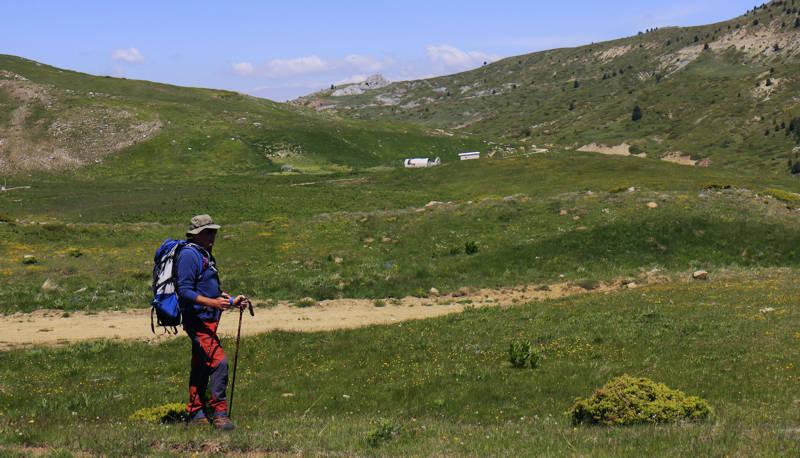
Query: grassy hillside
x,y
724,91
56,120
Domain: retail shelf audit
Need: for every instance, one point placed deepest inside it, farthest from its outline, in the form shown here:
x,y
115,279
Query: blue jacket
x,y
197,276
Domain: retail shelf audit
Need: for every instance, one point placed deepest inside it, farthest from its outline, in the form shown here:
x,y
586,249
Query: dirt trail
x,y
51,327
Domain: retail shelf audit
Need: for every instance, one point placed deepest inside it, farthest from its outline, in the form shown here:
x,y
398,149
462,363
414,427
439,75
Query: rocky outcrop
x,y
373,82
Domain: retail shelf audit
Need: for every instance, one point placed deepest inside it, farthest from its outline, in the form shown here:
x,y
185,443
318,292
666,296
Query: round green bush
x,y
627,400
168,413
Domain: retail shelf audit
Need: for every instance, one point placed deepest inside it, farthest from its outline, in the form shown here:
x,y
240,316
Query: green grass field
x,y
436,386
531,220
443,386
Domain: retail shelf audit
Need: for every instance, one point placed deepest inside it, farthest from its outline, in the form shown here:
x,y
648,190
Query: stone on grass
x,y
700,275
49,285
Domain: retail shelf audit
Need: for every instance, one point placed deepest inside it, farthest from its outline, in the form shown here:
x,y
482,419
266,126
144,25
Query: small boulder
x,y
463,291
49,285
652,205
433,292
700,275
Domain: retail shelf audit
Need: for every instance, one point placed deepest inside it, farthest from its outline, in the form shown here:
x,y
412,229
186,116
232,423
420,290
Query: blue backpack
x,y
165,295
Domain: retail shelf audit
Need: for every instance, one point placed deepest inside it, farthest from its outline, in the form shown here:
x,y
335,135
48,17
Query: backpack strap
x,y
203,253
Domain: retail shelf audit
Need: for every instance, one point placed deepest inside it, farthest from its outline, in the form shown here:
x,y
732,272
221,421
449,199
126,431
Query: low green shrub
x,y
28,260
784,196
712,186
588,284
379,303
521,354
305,302
168,413
470,247
627,400
383,432
617,189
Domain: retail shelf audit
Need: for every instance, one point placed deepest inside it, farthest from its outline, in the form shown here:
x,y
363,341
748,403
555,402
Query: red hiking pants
x,y
209,368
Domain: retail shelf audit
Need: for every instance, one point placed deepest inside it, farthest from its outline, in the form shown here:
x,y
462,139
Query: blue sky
x,y
281,50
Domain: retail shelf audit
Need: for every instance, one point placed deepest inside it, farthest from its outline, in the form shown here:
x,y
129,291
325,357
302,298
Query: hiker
x,y
202,303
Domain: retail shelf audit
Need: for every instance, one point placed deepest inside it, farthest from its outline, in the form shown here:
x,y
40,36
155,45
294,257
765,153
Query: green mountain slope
x,y
53,119
725,91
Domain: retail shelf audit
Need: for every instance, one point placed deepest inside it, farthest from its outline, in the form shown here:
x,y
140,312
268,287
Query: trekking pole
x,y
236,355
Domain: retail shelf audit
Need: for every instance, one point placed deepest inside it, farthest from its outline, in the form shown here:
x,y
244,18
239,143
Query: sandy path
x,y
50,327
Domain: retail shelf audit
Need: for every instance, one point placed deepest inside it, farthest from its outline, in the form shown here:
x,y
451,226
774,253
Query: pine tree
x,y
637,113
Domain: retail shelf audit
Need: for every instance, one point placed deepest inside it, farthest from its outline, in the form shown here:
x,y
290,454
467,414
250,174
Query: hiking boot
x,y
222,422
199,420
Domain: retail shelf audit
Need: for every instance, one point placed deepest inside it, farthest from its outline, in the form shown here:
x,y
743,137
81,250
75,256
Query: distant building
x,y
421,162
287,168
471,155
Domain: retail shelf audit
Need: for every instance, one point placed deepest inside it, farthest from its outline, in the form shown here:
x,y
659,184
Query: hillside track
x,y
55,327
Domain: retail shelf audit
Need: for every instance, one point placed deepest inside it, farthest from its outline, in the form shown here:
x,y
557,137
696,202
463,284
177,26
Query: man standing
x,y
202,303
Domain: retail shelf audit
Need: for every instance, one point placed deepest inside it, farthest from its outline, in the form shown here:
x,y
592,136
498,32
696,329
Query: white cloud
x,y
313,65
285,68
367,64
243,68
451,57
130,55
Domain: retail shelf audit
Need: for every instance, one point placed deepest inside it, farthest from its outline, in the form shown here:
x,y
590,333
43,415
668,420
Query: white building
x,y
471,155
421,162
